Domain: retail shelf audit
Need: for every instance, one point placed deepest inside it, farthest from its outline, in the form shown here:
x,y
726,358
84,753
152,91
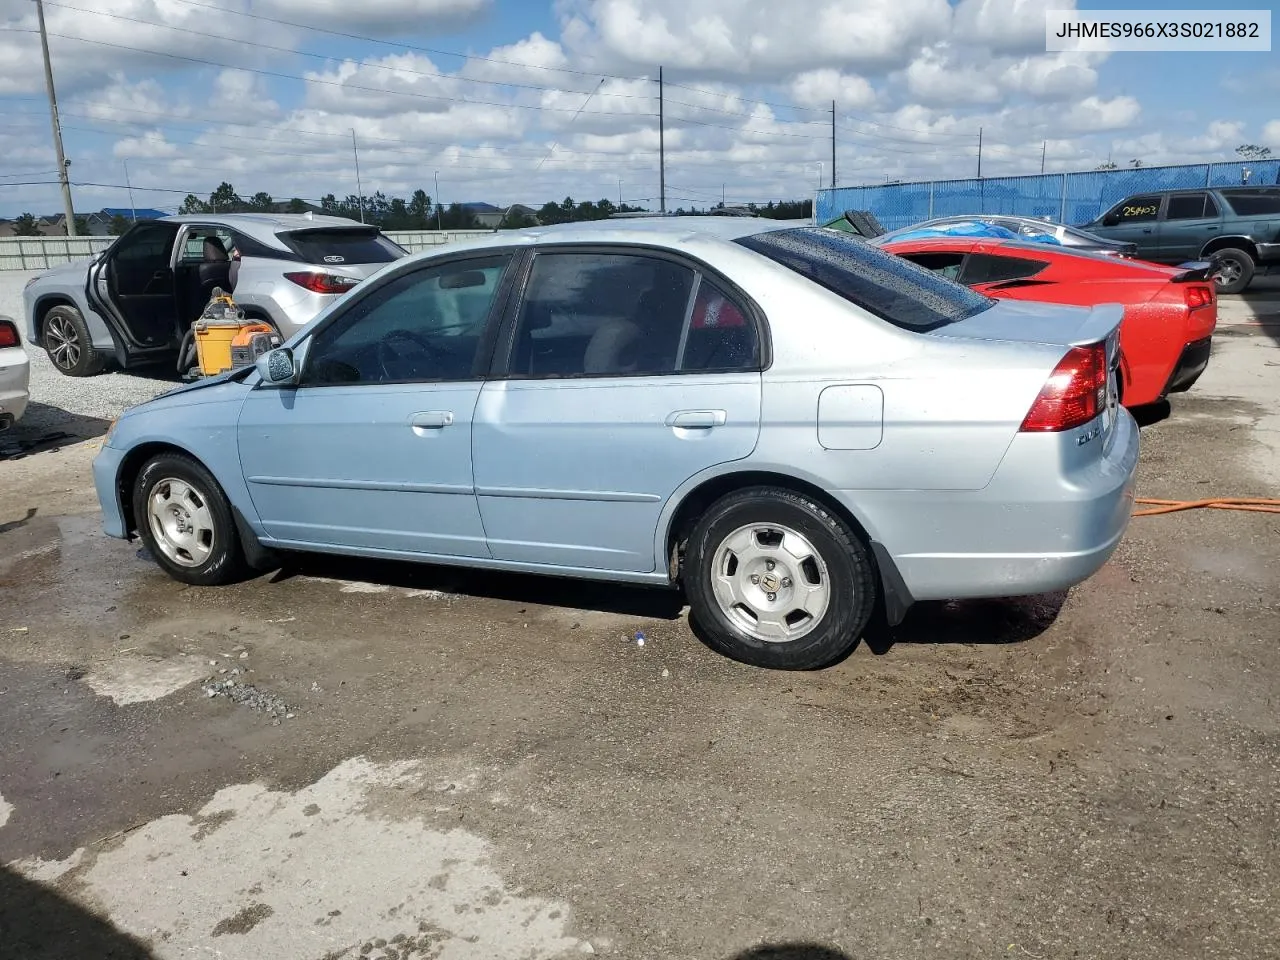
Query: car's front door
x,y
1134,220
372,448
131,287
627,373
1190,221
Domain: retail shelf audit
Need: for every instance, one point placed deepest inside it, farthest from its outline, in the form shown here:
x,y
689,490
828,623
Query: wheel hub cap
x,y
181,522
771,582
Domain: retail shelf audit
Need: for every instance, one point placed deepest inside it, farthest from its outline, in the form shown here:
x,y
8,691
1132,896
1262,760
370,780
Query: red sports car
x,y
1169,312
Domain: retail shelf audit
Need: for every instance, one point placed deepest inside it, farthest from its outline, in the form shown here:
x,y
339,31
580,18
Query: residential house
x,y
99,224
489,217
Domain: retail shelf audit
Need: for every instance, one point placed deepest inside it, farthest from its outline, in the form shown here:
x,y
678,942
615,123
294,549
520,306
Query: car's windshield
x,y
342,246
887,286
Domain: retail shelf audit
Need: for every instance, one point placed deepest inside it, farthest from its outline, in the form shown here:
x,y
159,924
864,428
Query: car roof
x,y
264,227
667,232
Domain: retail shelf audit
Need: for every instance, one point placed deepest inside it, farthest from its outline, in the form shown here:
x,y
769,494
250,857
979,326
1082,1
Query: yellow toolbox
x,y
217,340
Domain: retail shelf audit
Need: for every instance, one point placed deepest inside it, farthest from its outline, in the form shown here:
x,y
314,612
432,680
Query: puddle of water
x,y
341,864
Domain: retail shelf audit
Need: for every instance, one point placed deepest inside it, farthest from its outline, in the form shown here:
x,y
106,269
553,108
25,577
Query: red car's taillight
x,y
322,282
1074,394
8,334
1198,296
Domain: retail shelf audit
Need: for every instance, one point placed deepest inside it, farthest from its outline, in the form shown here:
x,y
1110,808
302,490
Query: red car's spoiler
x,y
1194,271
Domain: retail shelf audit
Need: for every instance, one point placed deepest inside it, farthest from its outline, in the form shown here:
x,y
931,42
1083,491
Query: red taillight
x,y
8,334
1198,297
322,282
1075,393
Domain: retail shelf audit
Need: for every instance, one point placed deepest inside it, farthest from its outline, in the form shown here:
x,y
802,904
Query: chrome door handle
x,y
431,419
697,418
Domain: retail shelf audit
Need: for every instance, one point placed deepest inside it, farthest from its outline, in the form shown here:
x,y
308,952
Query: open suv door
x,y
131,286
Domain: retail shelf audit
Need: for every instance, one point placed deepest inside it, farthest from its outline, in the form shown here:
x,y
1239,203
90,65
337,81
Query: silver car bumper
x,y
1038,526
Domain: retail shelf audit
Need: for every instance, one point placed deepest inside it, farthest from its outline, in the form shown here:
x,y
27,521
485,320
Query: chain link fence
x,y
41,253
1072,198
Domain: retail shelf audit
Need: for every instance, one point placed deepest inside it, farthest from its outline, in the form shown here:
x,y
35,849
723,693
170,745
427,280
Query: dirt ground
x,y
433,764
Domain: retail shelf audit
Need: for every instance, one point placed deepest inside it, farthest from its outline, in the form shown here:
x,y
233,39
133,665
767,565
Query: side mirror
x,y
277,367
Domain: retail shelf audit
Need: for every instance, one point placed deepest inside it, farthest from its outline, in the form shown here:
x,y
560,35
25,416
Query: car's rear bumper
x,y
1191,364
1039,526
15,376
106,468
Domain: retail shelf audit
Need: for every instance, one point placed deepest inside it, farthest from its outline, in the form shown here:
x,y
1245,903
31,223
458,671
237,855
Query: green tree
x,y
420,210
1109,165
1251,151
225,199
82,226
193,204
118,225
261,202
297,206
25,226
518,220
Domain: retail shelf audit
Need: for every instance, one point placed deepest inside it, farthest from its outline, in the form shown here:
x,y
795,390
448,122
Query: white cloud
x,y
819,87
1271,136
746,37
1005,26
1095,115
385,17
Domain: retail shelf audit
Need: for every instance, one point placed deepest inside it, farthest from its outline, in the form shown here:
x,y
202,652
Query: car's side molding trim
x,y
391,486
535,493
651,578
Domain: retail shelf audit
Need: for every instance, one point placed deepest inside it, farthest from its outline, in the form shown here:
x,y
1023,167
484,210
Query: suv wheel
x,y
1235,269
776,580
69,345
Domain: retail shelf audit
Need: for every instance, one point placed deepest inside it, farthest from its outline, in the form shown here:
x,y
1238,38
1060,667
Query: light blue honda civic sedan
x,y
794,427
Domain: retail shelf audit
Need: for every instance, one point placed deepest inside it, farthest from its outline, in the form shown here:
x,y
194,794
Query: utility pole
x,y
833,144
133,211
1044,145
63,178
662,150
979,153
722,196
439,222
359,187
619,193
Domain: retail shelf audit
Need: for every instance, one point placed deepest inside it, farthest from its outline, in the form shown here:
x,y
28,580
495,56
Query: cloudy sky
x,y
530,100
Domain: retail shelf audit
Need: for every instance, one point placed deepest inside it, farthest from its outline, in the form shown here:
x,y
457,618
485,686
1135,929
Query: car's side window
x,y
1210,206
423,326
1186,206
944,264
601,314
721,335
145,247
1137,209
989,268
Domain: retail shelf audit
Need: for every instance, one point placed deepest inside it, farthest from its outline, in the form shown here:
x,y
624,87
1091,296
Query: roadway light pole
x,y
438,220
63,178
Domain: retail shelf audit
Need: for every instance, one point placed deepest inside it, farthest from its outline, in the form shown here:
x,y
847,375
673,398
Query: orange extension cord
x,y
1251,504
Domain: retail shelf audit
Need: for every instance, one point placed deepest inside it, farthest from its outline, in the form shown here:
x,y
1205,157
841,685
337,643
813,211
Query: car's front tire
x,y
775,579
69,344
1235,268
186,523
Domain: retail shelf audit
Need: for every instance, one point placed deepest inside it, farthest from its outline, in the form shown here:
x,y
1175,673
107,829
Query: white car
x,y
15,373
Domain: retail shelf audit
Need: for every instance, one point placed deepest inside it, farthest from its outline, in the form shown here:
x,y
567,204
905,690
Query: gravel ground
x,y
71,404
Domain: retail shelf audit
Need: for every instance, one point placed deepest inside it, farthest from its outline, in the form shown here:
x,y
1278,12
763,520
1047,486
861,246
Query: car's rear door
x,y
372,449
626,372
1190,221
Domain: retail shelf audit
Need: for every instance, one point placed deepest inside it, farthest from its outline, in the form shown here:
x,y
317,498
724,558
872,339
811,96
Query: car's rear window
x,y
342,246
888,286
1253,203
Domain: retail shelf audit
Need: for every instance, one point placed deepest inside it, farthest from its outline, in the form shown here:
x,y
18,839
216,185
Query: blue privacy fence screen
x,y
1065,197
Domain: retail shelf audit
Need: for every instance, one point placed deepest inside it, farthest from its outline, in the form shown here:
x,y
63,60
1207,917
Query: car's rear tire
x,y
186,523
1235,269
764,541
69,344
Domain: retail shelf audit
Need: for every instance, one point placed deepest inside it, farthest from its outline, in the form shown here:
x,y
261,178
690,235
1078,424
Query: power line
x,y
318,80
323,57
